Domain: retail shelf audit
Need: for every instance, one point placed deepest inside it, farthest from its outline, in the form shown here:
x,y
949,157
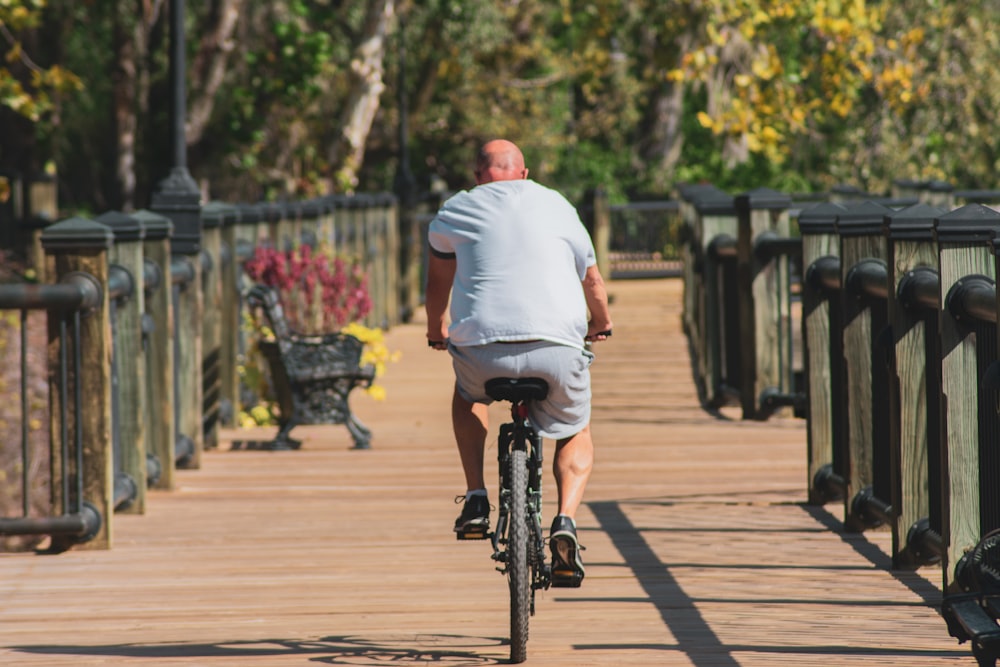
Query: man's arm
x,y
440,274
597,303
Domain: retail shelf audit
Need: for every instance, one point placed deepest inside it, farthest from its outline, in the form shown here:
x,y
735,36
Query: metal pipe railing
x,y
769,245
722,246
869,277
77,292
920,289
973,298
823,275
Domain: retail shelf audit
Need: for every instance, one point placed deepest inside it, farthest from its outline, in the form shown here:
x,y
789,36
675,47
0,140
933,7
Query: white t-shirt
x,y
521,253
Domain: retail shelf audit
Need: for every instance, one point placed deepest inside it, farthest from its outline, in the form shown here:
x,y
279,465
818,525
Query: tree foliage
x,y
297,97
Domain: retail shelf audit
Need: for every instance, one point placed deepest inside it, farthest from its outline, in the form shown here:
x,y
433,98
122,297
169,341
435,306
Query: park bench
x,y
312,375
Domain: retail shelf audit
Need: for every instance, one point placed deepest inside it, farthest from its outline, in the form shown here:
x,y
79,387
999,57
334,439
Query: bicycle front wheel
x,y
518,574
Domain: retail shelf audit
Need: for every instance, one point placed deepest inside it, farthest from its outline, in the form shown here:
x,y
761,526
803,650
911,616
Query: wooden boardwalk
x,y
700,550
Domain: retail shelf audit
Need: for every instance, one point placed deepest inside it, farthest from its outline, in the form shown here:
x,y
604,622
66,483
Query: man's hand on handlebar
x,y
600,335
438,344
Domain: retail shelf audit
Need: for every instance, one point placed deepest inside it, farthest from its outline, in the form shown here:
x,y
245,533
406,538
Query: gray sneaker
x,y
567,566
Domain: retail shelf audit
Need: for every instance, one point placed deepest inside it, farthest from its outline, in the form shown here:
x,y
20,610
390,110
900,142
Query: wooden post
x,y
128,354
940,194
41,210
764,310
77,246
229,318
689,195
821,332
213,216
374,225
860,229
601,232
716,217
271,217
308,214
411,246
161,431
963,239
326,231
179,199
393,252
253,226
913,392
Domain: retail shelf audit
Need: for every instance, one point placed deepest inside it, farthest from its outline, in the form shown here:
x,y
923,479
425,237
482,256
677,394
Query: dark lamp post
x,y
405,186
177,197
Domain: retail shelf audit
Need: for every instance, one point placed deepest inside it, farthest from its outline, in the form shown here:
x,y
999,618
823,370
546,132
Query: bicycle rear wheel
x,y
518,572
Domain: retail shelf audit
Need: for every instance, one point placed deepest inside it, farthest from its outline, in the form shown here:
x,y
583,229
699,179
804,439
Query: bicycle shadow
x,y
458,650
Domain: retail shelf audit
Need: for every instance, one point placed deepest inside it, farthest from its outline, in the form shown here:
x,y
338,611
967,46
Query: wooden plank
x,y
162,424
816,329
911,404
959,386
130,364
211,335
858,337
189,309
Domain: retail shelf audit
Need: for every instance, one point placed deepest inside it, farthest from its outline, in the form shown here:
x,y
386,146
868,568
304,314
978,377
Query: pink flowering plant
x,y
320,292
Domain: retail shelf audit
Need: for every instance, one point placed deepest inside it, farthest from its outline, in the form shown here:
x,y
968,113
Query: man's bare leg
x,y
573,463
470,422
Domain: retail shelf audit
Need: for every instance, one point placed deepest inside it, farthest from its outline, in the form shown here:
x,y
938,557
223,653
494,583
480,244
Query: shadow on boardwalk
x,y
700,549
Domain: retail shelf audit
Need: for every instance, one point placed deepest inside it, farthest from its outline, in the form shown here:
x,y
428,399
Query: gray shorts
x,y
566,410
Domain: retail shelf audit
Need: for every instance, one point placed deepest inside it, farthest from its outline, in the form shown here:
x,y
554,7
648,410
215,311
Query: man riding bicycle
x,y
521,273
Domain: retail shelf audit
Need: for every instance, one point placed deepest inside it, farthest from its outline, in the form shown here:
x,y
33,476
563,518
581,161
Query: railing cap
x,y
218,213
864,219
126,227
692,192
77,234
940,186
978,196
385,198
158,227
763,199
973,223
914,222
845,189
716,202
911,183
820,218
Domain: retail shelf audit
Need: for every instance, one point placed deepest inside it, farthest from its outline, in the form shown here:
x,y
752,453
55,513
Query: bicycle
x,y
518,542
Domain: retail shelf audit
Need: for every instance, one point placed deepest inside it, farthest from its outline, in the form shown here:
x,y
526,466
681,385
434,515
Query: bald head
x,y
499,160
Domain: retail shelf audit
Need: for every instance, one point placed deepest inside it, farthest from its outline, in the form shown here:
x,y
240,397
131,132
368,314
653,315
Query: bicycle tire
x,y
518,571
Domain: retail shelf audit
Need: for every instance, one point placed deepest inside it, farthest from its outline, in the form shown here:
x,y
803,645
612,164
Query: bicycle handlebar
x,y
437,343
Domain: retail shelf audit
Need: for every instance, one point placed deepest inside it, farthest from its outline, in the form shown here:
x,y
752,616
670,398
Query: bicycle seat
x,y
517,389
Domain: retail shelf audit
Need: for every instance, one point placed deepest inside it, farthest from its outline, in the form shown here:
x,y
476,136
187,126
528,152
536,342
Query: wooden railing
x,y
900,385
144,342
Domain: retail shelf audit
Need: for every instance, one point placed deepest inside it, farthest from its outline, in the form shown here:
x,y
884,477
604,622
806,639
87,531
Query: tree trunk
x,y
367,69
125,94
666,140
209,67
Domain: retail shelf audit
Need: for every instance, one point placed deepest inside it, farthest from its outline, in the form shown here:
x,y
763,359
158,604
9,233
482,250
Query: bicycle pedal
x,y
566,579
472,534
